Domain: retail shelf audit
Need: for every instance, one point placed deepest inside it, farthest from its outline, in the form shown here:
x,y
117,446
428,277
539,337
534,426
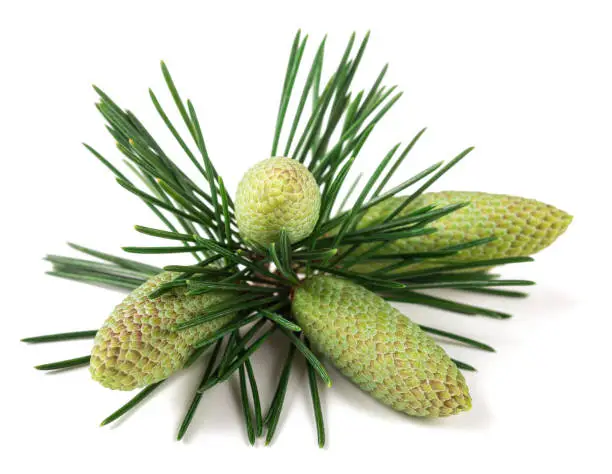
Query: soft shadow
x,y
476,419
125,417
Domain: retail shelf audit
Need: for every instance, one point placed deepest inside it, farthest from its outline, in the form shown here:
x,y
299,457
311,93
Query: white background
x,y
527,82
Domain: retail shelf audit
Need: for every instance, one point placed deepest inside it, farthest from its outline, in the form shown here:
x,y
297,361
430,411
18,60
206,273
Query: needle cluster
x,y
326,132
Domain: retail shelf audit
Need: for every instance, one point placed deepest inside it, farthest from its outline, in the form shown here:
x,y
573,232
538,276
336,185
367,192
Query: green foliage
x,y
329,127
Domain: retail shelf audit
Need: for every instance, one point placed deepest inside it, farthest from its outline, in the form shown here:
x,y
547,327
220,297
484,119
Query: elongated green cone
x,y
522,227
378,348
277,194
136,346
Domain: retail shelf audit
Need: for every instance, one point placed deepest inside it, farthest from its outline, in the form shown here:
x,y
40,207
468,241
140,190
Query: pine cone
x,y
378,348
277,194
136,346
522,227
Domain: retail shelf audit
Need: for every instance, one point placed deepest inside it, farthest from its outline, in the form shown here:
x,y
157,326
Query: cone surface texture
x,y
521,226
135,347
276,194
378,348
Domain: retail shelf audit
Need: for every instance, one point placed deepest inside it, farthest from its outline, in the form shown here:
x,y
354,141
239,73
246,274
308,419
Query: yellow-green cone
x,y
135,347
522,226
276,194
378,348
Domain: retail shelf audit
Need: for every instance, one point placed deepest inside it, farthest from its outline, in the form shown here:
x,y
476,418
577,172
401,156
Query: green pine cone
x,y
522,226
136,346
277,194
378,348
